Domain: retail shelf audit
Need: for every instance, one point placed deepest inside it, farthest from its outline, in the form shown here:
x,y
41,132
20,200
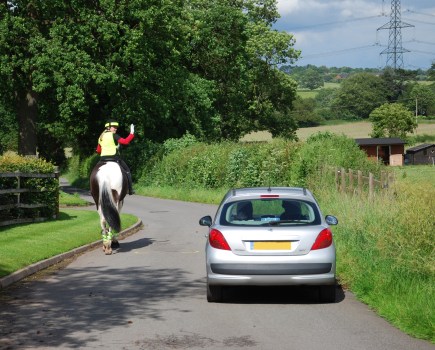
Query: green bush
x,y
43,190
276,163
80,169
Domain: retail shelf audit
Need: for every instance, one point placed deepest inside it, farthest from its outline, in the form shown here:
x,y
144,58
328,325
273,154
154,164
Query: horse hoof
x,y
107,247
115,244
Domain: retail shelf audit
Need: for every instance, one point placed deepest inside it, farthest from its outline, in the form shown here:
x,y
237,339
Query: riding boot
x,y
130,183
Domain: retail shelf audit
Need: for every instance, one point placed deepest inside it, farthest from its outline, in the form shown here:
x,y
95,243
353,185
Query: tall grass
x,y
385,252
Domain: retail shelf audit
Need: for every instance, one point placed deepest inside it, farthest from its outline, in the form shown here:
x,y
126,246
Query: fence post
x,y
390,179
371,185
360,182
56,175
337,186
350,180
18,193
384,183
343,180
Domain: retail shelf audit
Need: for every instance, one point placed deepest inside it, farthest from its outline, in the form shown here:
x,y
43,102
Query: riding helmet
x,y
111,123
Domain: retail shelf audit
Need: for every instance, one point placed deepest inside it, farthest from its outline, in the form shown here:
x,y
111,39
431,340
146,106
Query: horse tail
x,y
110,212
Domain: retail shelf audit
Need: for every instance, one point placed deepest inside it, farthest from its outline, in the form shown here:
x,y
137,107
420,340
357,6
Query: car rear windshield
x,y
276,211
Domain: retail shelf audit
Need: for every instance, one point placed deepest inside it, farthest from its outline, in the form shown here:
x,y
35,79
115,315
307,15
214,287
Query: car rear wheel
x,y
214,293
327,294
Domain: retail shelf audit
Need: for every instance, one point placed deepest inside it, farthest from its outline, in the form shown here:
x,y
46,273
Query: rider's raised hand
x,y
131,129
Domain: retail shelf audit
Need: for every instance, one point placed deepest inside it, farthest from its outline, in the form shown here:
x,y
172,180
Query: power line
x,y
420,13
418,21
331,53
420,42
425,52
335,22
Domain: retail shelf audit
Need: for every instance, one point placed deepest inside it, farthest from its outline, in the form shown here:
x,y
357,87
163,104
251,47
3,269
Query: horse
x,y
109,186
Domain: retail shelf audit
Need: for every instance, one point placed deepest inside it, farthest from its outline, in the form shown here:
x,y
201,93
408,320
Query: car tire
x,y
327,294
214,294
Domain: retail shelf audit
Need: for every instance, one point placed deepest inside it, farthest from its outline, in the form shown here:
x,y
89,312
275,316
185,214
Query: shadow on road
x,y
277,295
60,313
125,247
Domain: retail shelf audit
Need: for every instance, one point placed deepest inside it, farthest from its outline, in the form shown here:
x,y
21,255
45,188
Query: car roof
x,y
293,192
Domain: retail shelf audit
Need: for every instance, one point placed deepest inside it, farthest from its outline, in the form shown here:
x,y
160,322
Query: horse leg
x,y
107,242
107,246
115,242
103,225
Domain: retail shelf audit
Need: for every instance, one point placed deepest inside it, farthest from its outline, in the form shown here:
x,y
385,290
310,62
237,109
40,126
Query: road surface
x,y
150,294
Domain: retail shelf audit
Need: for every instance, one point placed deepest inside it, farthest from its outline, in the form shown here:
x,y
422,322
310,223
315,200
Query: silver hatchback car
x,y
269,236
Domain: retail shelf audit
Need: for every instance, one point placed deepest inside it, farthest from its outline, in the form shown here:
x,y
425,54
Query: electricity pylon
x,y
395,51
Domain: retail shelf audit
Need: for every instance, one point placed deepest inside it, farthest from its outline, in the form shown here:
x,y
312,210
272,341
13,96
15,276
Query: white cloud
x,y
314,7
288,6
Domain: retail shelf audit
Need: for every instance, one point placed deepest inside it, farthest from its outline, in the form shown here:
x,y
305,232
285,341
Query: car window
x,y
263,211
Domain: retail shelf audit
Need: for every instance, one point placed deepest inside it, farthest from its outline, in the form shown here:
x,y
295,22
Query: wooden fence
x,y
18,190
352,181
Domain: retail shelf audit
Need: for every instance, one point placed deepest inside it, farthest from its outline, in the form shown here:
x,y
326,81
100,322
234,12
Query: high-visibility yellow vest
x,y
107,143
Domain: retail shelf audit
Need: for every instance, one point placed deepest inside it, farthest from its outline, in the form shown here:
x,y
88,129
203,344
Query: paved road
x,y
151,295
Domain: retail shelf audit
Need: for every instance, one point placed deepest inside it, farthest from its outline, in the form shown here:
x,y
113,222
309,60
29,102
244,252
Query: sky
x,y
346,33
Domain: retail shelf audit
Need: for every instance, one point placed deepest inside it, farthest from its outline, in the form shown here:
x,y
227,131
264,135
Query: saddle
x,y
110,159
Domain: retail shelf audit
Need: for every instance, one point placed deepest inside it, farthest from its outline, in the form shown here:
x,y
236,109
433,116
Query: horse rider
x,y
108,148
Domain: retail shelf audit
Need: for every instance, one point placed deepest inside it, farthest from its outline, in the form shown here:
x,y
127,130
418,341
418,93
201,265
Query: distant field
x,y
353,130
305,93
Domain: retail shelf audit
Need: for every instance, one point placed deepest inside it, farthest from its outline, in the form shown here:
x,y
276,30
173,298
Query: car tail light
x,y
323,240
217,240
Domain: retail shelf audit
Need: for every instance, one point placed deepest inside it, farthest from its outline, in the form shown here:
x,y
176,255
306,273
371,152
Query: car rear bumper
x,y
271,280
316,268
271,269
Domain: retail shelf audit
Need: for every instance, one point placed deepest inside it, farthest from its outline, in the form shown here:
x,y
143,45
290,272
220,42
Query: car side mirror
x,y
331,220
205,221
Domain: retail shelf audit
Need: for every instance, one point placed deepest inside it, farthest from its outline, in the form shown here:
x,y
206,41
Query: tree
x,y
422,100
396,81
304,112
70,65
311,79
235,50
431,72
392,120
170,67
358,95
324,100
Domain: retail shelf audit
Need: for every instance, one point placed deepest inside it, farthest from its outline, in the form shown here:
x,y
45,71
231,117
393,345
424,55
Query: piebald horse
x,y
109,186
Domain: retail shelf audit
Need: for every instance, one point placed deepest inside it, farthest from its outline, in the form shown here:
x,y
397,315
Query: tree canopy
x,y
358,95
392,120
171,67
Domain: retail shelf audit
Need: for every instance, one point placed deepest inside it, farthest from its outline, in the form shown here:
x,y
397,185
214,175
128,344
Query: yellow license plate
x,y
271,245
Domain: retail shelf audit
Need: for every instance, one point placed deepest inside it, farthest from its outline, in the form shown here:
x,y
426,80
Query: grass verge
x,y
25,244
198,195
71,200
385,253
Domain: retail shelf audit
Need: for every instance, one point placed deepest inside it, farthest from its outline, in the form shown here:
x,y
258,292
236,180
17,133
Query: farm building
x,y
388,150
421,154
